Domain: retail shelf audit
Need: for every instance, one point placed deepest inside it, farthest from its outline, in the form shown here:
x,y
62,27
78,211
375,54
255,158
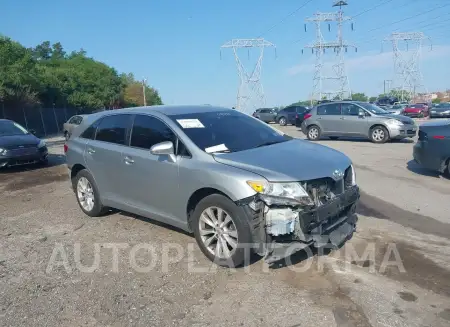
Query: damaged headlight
x,y
281,193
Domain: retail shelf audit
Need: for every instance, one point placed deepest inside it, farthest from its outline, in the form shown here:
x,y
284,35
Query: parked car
x,y
416,110
289,114
71,124
386,101
18,146
396,109
356,119
432,149
267,115
237,183
299,118
441,110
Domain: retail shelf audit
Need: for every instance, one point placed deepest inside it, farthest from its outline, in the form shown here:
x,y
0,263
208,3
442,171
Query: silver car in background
x,y
356,119
237,183
69,126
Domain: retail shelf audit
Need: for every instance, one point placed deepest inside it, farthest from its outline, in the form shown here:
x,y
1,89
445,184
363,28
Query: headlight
x,y
394,122
2,152
282,193
41,144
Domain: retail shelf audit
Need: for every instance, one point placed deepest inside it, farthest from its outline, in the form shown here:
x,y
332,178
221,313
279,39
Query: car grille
x,y
323,190
23,151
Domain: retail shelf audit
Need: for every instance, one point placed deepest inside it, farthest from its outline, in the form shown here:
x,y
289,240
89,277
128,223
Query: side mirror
x,y
164,148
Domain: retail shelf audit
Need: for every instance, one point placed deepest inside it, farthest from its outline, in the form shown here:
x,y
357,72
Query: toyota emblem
x,y
338,174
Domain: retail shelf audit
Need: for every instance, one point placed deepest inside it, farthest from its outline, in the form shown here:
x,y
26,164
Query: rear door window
x,y
114,129
333,109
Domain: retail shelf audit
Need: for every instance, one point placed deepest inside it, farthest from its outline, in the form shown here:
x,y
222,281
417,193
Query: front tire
x,y
313,133
222,231
379,134
282,121
88,196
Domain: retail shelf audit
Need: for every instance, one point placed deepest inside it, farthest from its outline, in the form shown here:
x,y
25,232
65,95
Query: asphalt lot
x,y
47,247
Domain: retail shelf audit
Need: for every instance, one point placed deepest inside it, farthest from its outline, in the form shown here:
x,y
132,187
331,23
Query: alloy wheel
x,y
378,134
313,133
85,194
218,232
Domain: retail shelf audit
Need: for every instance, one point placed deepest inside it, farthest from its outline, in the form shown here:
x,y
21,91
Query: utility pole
x,y
340,46
388,88
250,93
143,91
407,49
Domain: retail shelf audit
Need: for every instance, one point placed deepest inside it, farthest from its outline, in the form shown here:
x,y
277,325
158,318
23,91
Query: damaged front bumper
x,y
275,227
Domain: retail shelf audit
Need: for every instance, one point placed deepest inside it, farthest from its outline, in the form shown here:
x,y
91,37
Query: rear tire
x,y
87,194
236,232
379,134
313,133
282,121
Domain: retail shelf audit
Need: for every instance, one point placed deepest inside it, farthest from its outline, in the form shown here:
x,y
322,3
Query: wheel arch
x,y
196,197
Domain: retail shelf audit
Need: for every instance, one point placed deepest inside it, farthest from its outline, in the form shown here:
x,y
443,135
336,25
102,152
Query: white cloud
x,y
369,61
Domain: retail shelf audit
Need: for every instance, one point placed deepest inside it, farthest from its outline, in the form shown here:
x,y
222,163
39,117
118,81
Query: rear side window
x,y
89,133
289,109
113,129
329,109
148,131
301,110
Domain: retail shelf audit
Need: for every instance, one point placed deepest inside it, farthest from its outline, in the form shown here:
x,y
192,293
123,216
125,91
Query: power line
x,y
286,17
408,18
372,8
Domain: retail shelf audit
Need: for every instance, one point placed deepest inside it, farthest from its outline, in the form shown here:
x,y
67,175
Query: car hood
x,y
16,140
403,119
294,160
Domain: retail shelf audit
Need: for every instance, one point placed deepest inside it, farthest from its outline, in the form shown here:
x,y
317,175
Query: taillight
x,y
438,137
65,148
307,116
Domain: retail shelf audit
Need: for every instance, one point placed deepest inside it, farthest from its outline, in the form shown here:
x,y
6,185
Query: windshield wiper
x,y
268,143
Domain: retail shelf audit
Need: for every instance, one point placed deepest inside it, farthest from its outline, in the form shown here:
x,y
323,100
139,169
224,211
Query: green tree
x,y
373,99
47,75
359,97
437,100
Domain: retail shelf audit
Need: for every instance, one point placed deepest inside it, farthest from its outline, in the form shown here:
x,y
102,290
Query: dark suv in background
x,y
289,115
267,115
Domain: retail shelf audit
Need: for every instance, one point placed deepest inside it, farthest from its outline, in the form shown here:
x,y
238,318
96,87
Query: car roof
x,y
167,110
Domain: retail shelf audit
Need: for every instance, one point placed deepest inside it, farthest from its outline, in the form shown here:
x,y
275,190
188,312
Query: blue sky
x,y
175,43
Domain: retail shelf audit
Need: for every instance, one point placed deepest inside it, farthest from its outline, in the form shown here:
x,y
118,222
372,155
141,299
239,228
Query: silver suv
x,y
356,119
235,182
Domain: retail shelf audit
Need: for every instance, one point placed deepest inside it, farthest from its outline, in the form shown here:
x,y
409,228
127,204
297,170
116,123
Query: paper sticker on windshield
x,y
216,148
190,123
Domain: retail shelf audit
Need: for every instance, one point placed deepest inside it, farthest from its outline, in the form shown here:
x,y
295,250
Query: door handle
x,y
128,160
342,118
90,151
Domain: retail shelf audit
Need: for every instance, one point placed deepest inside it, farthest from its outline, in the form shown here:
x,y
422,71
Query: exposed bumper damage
x,y
328,219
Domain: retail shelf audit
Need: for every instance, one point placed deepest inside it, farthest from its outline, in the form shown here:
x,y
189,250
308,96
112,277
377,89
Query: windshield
x,y
227,131
11,128
373,108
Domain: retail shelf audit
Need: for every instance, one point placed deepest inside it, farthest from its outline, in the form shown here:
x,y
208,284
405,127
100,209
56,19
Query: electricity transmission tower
x,y
407,49
339,46
250,92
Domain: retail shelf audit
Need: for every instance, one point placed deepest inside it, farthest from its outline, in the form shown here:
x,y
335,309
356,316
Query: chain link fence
x,y
44,121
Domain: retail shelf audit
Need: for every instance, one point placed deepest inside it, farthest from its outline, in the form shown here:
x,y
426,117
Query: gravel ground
x,y
58,268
